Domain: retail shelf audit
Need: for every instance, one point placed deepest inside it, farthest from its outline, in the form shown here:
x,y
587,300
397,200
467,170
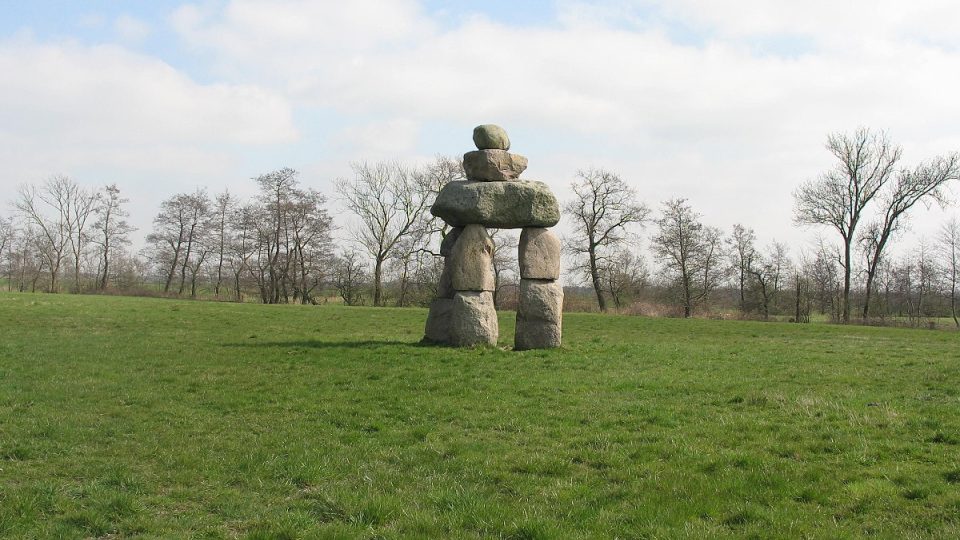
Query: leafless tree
x,y
925,183
112,229
83,207
949,240
6,235
223,207
276,193
624,276
27,257
602,210
826,281
177,231
350,278
691,253
917,280
504,262
840,196
310,247
742,254
56,197
768,270
391,202
802,293
243,244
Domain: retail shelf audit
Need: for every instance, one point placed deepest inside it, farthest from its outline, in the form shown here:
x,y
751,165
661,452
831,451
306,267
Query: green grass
x,y
128,417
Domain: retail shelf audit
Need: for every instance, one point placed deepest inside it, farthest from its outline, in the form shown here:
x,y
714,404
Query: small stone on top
x,y
491,137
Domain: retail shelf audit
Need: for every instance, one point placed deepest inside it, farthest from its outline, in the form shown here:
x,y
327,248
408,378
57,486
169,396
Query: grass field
x,y
127,417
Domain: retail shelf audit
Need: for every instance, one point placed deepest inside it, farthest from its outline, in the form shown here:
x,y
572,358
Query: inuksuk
x,y
493,195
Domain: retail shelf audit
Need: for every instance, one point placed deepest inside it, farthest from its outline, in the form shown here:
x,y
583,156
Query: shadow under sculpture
x,y
493,195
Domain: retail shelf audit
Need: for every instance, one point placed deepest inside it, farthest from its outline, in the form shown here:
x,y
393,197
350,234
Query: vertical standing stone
x,y
471,267
438,321
473,319
539,254
539,315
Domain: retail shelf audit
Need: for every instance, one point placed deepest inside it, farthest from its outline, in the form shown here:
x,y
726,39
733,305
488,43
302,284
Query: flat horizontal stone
x,y
493,165
504,205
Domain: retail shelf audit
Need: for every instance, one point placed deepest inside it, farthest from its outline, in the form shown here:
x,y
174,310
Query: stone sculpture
x,y
493,195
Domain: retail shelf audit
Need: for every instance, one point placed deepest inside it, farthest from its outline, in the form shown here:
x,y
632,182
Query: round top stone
x,y
491,137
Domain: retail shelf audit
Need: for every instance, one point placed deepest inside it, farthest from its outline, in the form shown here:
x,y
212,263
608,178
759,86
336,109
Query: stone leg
x,y
463,314
540,312
539,315
438,321
473,319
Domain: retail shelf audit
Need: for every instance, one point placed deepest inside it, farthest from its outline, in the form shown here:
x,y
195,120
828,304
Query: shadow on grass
x,y
318,344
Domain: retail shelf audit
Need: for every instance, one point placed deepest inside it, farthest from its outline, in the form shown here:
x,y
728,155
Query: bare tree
x,y
197,245
624,276
924,183
840,196
243,244
391,202
802,294
918,277
112,230
56,197
768,271
504,261
826,281
311,244
176,231
949,240
81,209
277,193
27,257
7,235
223,207
603,209
691,253
350,277
742,255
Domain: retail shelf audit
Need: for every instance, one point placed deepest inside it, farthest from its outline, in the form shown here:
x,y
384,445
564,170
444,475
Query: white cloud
x,y
103,114
727,103
131,29
733,125
73,94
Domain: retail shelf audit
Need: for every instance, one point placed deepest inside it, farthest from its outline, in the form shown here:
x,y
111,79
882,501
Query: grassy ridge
x,y
159,418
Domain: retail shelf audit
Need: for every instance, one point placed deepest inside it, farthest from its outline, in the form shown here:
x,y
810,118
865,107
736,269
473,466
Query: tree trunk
x,y
377,286
796,314
595,277
106,263
845,315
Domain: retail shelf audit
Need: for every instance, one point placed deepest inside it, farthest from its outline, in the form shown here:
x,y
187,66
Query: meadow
x,y
151,418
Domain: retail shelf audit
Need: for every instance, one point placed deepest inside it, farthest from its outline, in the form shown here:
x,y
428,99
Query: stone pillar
x,y
463,314
438,319
540,312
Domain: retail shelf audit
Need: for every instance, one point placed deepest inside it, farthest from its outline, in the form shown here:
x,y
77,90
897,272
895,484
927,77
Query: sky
x,y
727,103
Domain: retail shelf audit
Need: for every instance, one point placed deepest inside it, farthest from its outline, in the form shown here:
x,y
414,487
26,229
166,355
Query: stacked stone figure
x,y
493,195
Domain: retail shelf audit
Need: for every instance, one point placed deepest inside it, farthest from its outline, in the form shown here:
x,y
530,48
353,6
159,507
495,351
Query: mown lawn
x,y
126,417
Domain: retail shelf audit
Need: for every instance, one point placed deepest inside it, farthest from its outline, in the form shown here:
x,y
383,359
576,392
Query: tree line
x,y
280,245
